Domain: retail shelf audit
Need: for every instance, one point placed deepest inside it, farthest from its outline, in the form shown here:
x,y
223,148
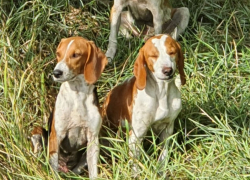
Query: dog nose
x,y
57,73
167,71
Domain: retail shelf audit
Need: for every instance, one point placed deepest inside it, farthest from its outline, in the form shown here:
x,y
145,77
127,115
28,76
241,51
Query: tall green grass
x,y
212,133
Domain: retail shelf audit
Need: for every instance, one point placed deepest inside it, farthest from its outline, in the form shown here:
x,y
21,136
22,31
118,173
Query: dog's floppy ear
x,y
95,64
140,71
180,65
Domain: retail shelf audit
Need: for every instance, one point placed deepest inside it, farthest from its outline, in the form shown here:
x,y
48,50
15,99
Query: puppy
x,y
39,135
146,17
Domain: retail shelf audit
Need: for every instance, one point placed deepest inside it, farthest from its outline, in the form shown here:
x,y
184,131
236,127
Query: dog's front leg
x,y
54,154
55,139
53,149
165,134
115,20
135,139
134,142
93,151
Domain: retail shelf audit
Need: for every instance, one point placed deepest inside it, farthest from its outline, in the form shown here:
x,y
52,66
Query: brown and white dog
x,y
76,120
157,15
150,98
39,139
74,161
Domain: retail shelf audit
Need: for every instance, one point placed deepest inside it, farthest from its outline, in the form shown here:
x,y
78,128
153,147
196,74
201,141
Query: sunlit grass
x,y
212,133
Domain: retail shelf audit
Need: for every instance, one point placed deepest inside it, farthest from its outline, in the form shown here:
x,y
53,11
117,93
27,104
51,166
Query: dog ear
x,y
180,65
95,64
140,71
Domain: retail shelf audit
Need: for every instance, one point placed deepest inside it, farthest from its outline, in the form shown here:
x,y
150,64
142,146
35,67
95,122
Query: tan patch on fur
x,y
119,104
174,49
130,132
53,147
76,55
151,53
111,13
82,57
37,130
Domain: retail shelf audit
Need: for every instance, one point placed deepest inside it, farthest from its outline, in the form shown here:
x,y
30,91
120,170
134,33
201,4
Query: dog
x,y
146,17
76,119
74,161
39,136
151,98
39,139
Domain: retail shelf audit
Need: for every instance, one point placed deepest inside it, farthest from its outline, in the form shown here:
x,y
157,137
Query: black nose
x,y
57,73
167,71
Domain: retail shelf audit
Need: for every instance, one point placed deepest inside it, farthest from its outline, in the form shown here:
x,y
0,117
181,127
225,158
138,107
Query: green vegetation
x,y
212,133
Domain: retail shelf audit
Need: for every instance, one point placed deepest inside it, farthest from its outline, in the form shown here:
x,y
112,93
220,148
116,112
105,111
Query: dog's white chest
x,y
168,107
70,108
75,108
159,107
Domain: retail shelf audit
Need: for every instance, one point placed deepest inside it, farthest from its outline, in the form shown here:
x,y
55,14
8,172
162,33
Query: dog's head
x,y
161,55
77,55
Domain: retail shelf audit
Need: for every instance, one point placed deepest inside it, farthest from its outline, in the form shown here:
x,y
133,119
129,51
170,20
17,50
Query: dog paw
x,y
63,168
135,169
80,167
53,161
110,54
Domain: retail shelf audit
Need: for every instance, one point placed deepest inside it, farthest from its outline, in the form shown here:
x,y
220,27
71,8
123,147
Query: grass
x,y
212,133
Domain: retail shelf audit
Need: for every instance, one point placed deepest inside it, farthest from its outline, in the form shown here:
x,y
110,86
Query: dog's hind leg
x,y
179,20
127,27
115,20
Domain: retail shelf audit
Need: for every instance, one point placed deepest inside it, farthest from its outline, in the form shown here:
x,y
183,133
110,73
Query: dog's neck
x,y
158,87
78,84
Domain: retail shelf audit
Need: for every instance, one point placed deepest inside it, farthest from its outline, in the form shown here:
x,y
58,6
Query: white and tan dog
x,y
74,160
77,120
145,17
150,98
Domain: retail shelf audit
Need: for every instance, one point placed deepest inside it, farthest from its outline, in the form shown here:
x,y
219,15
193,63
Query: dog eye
x,y
171,53
75,55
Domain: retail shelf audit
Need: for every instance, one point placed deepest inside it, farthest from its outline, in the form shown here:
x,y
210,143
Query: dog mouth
x,y
171,76
61,79
167,78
